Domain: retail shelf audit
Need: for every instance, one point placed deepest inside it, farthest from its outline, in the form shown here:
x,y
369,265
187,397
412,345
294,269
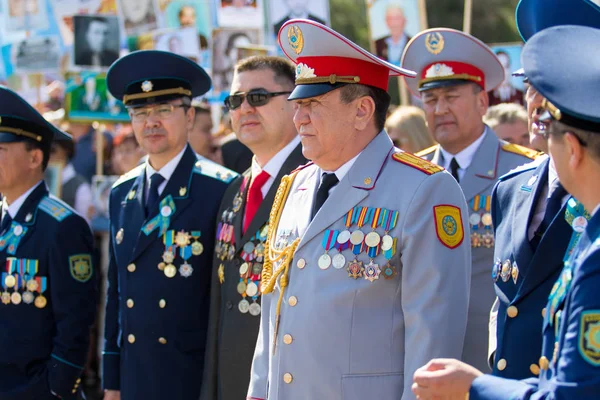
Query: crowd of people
x,y
322,243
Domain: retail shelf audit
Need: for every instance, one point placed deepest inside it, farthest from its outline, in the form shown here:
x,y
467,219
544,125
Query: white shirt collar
x,y
552,175
166,171
13,209
342,171
273,166
465,156
68,173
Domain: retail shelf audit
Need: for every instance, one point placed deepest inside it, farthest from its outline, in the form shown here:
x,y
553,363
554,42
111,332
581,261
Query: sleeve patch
x,y
448,225
81,267
55,208
214,170
589,337
522,151
417,162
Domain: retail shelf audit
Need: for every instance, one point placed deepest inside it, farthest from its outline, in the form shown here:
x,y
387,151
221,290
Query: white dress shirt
x,y
340,173
166,171
463,157
13,209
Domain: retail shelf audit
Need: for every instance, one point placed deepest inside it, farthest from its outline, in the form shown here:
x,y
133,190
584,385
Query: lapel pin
x,y
131,195
28,217
491,172
18,230
166,211
182,191
367,181
119,236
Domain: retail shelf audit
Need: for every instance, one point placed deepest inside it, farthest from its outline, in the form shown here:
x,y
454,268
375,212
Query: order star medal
x,y
389,271
186,270
355,269
372,271
182,239
168,257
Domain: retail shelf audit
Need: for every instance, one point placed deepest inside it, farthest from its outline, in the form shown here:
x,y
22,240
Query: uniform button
x,y
229,305
534,369
131,338
129,303
544,312
74,391
131,267
301,263
78,380
287,339
501,364
512,311
162,340
292,301
287,377
162,303
544,363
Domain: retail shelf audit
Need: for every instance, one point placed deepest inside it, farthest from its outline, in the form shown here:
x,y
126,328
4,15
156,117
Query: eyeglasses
x,y
256,98
162,111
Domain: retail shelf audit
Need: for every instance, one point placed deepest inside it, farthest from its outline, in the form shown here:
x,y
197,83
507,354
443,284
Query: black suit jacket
x,y
232,335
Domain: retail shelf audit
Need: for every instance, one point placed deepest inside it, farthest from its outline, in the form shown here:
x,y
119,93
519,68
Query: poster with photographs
x,y
190,13
36,54
138,16
283,10
226,43
25,15
393,23
240,13
512,89
97,40
87,100
53,178
64,10
179,41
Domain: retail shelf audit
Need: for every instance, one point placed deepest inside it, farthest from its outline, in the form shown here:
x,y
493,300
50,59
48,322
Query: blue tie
x,y
6,221
155,181
553,206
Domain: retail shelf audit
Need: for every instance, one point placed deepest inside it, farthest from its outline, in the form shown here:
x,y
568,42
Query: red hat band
x,y
331,69
447,70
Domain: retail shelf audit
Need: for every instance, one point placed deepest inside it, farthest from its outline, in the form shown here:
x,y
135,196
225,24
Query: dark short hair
x,y
351,92
285,71
588,139
201,108
180,13
30,145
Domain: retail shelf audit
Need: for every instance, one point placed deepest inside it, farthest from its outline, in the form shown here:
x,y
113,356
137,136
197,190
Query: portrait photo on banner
x,y
392,24
226,43
87,99
97,41
138,16
24,15
183,42
37,54
189,13
284,10
240,13
512,89
63,13
101,186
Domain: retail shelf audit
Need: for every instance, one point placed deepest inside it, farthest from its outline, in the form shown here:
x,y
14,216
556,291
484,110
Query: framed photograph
x,y
512,89
97,40
53,178
392,24
37,54
25,15
87,100
226,43
179,41
283,10
189,13
64,10
240,13
138,16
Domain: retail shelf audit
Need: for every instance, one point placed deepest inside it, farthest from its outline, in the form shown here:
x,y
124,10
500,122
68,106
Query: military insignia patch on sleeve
x,y
448,225
81,267
589,337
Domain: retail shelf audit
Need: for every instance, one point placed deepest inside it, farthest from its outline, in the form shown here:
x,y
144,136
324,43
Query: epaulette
x,y
134,173
211,169
301,167
55,208
417,162
426,151
521,150
522,168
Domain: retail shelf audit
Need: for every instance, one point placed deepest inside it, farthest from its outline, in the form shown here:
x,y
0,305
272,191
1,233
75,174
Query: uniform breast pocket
x,y
372,386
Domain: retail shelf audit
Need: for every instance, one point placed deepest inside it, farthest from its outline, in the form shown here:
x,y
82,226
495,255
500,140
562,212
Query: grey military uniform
x,y
345,338
493,159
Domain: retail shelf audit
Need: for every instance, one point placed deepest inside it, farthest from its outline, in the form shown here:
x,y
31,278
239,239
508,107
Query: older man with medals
x,y
366,268
163,217
48,280
456,71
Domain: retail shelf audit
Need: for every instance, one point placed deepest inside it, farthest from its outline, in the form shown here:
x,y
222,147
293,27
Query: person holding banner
x,y
162,228
456,71
48,294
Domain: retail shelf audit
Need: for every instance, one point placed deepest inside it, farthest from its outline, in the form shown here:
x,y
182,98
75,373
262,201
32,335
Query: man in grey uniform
x,y
366,269
456,71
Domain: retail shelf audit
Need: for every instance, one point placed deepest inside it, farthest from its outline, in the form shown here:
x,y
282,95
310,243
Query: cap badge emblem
x,y
434,42
439,70
296,39
147,86
303,71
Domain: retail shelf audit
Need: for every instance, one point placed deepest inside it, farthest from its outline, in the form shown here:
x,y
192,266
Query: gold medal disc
x,y
170,271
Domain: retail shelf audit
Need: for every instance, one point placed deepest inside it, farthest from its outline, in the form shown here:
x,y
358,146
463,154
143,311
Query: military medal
x,y
119,236
182,239
257,269
185,269
252,289
506,269
197,247
515,272
254,309
389,271
166,211
221,273
371,271
28,297
5,298
168,256
475,220
244,268
338,261
355,269
342,243
16,298
329,240
40,301
17,230
170,271
32,285
243,306
241,287
496,269
10,281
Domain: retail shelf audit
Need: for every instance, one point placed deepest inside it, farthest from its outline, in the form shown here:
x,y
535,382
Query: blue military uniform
x,y
570,355
160,262
48,295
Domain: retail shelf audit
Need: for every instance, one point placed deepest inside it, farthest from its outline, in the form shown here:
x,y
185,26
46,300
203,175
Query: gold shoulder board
x,y
521,150
417,162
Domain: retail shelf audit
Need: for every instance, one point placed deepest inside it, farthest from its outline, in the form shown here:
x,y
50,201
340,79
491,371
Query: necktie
x,y
152,199
454,169
255,197
6,221
327,182
553,204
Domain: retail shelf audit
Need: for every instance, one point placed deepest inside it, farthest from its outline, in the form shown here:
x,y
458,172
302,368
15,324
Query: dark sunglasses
x,y
256,98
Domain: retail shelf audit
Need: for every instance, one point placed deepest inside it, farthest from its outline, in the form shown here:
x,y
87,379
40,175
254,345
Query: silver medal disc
x,y
254,309
324,261
243,306
357,237
252,289
387,242
339,261
343,237
372,239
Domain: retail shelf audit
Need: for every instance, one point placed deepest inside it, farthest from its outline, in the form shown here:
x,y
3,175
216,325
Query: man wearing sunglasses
x,y
262,119
162,228
532,217
366,268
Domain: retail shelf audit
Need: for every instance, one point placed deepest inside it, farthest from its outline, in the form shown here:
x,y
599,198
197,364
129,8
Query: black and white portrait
x,y
226,43
37,54
283,10
139,16
96,40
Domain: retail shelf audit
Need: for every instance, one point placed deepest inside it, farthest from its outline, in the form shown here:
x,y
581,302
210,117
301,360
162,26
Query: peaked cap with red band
x,y
446,57
326,60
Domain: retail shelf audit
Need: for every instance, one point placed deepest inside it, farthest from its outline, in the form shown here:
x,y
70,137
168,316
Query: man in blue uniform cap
x,y
570,359
48,299
163,217
529,206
